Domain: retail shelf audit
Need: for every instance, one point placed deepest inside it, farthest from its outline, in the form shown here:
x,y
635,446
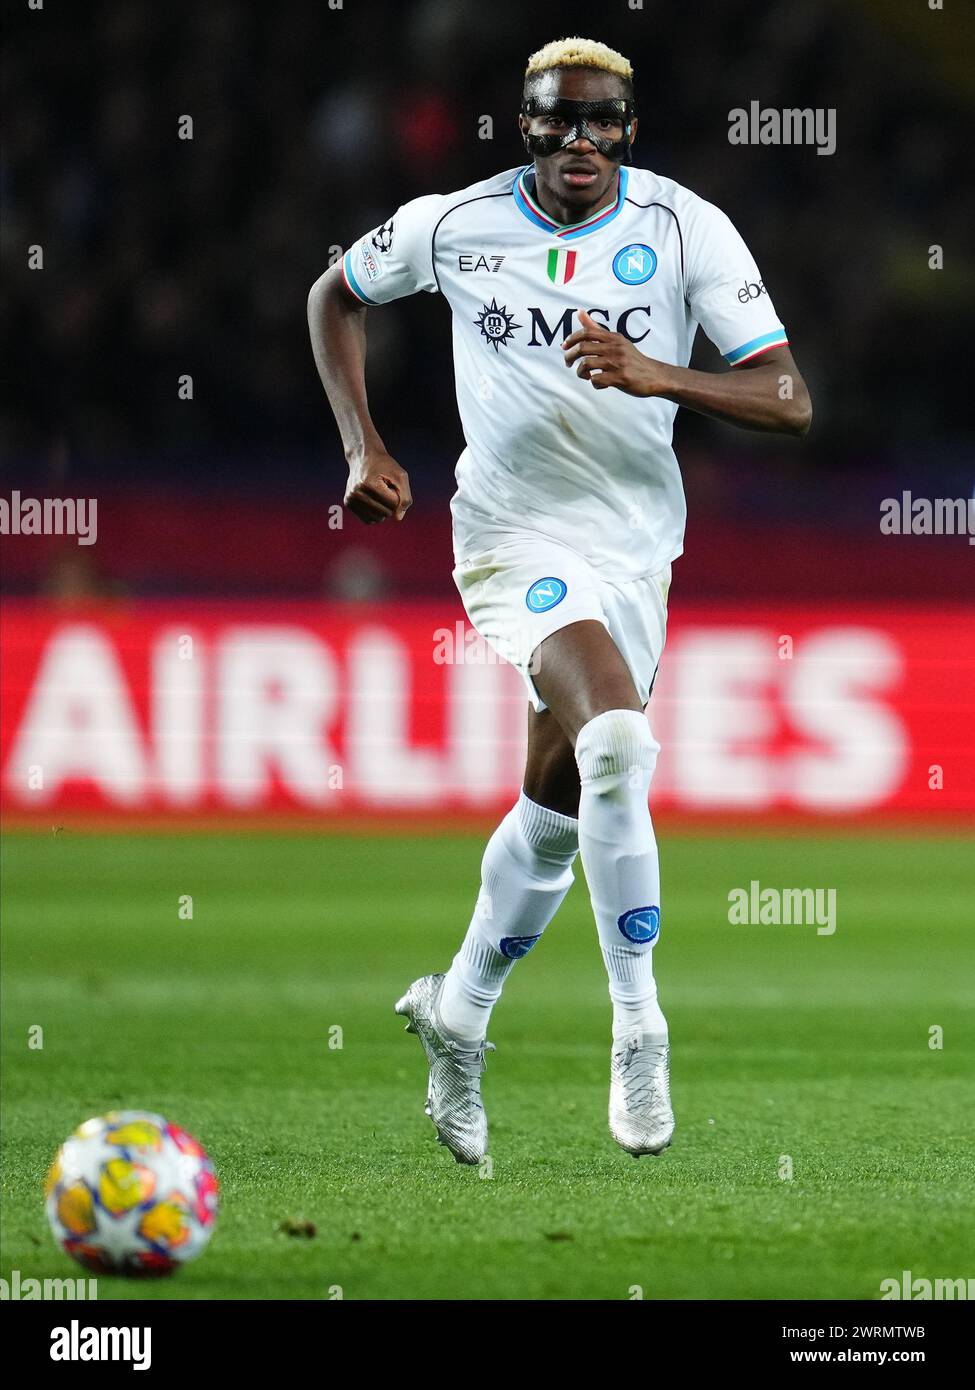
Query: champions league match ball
x,y
131,1194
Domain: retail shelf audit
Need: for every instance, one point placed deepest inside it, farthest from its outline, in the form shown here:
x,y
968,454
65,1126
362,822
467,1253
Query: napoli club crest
x,y
640,924
635,264
545,594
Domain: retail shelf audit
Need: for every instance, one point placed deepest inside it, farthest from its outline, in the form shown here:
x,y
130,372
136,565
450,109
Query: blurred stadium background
x,y
227,656
165,257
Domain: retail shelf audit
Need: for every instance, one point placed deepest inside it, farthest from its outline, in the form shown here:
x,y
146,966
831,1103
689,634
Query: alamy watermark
x,y
50,516
908,515
77,1343
756,906
923,1290
766,125
16,1289
464,646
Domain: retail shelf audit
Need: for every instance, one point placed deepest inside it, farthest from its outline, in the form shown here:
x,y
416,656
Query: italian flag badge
x,y
561,266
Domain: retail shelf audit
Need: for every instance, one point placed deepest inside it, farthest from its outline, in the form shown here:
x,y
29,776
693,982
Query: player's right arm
x,y
378,487
393,260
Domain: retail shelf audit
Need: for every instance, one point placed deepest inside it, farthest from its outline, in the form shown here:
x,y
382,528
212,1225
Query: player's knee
x,y
614,745
552,779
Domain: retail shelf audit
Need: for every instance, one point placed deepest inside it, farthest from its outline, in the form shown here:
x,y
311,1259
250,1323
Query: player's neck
x,y
569,214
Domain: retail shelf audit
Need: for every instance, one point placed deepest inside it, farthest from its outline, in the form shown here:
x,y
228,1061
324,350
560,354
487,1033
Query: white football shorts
x,y
526,586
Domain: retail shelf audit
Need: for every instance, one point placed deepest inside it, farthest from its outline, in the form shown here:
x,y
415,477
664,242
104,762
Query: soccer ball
x,y
130,1193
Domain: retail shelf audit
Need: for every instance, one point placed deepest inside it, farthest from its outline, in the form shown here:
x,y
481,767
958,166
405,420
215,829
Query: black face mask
x,y
577,115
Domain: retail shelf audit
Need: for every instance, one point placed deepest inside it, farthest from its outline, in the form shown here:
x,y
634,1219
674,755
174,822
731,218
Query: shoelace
x,y
642,1088
471,1059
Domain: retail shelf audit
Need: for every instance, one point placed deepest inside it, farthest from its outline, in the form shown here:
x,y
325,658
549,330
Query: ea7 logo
x,y
626,324
469,261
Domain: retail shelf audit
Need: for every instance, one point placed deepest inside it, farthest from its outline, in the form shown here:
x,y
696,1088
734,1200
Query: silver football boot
x,y
640,1116
454,1090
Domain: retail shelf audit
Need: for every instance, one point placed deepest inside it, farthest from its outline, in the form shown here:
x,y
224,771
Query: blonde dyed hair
x,y
579,53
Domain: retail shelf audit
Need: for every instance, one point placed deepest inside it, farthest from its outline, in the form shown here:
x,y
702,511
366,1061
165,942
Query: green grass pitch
x,y
785,1043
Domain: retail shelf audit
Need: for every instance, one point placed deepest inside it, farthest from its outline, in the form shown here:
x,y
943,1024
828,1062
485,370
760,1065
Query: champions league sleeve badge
x,y
382,237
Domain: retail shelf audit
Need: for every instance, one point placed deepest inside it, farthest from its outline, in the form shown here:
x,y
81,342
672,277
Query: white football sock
x,y
525,873
616,754
633,991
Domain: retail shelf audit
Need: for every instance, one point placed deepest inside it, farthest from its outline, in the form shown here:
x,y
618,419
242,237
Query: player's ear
x,y
633,125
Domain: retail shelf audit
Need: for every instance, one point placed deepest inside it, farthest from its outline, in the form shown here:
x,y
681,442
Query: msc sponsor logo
x,y
629,323
545,594
635,264
469,262
496,324
751,290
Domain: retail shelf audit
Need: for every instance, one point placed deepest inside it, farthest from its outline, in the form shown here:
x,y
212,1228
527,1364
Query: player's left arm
x,y
765,393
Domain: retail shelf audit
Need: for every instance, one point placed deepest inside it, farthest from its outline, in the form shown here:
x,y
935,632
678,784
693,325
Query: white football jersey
x,y
545,451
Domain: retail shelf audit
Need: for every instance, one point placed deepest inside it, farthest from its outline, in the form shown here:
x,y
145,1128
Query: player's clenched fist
x,y
608,359
378,489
